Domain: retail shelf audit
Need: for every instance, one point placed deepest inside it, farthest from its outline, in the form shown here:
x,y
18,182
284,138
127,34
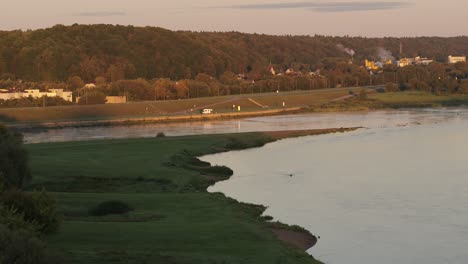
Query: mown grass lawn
x,y
418,97
175,220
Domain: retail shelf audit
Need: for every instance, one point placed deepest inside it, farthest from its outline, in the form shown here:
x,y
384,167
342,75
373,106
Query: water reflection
x,y
394,193
379,119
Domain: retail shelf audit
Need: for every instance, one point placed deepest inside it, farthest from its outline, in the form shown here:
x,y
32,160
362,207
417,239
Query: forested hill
x,y
125,52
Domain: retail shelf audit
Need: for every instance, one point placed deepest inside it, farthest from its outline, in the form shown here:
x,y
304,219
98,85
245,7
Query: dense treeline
x,y
157,64
127,52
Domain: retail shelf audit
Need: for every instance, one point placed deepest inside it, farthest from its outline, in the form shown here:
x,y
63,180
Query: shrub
x,y
10,218
92,97
110,207
160,134
22,247
267,218
14,160
37,208
391,87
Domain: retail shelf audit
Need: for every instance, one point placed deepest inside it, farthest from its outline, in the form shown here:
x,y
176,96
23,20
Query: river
x,y
377,119
396,192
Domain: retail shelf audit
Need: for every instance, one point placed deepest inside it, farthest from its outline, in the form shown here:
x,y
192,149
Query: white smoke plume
x,y
384,54
346,50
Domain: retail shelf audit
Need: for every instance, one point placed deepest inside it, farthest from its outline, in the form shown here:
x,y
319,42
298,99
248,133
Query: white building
x,y
456,59
35,93
403,62
90,86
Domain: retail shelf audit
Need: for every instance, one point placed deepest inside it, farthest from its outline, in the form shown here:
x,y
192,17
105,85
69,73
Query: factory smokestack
x,y
401,49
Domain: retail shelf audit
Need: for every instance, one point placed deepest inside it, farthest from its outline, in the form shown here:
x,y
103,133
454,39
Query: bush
x,y
392,87
92,97
13,220
22,247
14,160
160,134
37,208
110,207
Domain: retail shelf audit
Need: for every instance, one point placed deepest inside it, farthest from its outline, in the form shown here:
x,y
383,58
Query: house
x,y
36,93
456,59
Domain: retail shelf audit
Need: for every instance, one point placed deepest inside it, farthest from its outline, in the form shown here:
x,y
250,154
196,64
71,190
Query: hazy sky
x,y
304,17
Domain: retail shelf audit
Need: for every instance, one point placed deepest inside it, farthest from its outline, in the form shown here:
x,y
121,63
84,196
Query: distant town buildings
x,y
456,59
376,65
35,93
403,62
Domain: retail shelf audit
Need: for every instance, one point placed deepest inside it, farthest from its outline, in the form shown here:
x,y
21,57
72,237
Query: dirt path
x,y
257,103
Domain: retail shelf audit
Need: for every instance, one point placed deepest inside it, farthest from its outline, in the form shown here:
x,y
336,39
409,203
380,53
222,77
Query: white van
x,y
207,111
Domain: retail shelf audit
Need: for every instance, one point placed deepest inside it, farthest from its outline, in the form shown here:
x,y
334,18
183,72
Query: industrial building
x,y
374,66
35,93
403,62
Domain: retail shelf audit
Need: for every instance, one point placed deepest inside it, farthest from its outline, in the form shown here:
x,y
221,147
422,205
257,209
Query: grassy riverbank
x,y
326,100
175,220
140,110
382,101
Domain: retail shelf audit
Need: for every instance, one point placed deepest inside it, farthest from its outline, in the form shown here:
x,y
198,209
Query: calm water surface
x,y
393,193
288,122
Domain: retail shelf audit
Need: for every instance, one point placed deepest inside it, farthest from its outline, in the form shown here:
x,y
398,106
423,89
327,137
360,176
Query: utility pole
x,y
401,49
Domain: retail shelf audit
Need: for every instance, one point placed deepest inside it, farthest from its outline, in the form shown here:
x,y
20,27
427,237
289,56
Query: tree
x,y
164,89
90,68
75,83
14,160
228,78
100,81
182,89
391,87
463,87
92,97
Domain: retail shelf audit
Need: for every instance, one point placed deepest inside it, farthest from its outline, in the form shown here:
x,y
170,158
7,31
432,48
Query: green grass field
x,y
175,220
421,98
375,101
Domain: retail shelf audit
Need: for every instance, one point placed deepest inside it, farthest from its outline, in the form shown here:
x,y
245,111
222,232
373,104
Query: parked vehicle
x,y
207,111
